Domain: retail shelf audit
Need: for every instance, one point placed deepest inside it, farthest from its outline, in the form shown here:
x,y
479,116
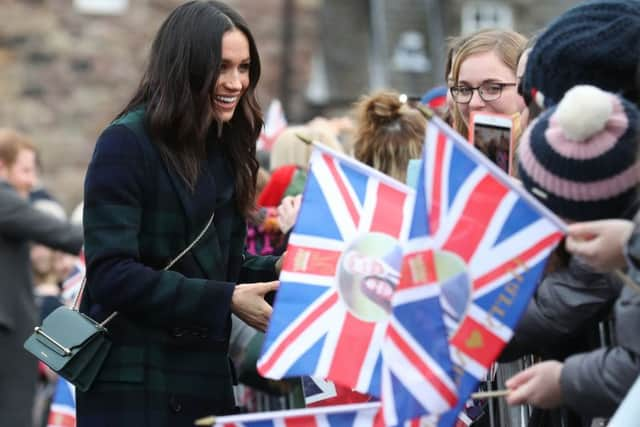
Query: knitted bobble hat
x,y
580,158
595,43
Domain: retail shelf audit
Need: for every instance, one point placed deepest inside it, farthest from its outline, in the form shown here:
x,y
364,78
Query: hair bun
x,y
584,111
383,109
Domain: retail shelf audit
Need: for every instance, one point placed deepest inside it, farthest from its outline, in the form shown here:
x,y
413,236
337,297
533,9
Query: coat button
x,y
174,404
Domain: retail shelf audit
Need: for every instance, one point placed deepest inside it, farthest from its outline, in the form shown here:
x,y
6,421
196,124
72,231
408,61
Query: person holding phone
x,y
484,76
180,156
493,135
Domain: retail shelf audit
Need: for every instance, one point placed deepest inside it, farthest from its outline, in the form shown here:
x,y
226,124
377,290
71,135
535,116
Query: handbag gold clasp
x,y
66,351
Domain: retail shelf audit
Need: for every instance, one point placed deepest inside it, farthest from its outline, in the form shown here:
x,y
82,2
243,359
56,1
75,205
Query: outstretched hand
x,y
288,212
600,243
248,303
538,385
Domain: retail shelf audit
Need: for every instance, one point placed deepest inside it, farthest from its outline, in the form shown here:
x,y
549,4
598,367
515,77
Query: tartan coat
x,y
168,364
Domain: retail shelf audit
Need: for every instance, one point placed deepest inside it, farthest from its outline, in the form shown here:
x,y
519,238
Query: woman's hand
x,y
538,385
600,243
288,212
248,303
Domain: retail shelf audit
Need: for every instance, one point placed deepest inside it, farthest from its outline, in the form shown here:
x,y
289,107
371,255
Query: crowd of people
x,y
33,243
185,224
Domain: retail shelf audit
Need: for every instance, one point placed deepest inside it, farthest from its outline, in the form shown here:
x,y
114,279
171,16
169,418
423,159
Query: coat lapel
x,y
186,199
207,252
197,206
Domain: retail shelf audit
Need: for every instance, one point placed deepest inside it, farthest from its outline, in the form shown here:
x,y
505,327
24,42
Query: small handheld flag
x,y
342,264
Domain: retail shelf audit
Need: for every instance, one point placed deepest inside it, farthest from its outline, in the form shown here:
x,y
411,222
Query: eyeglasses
x,y
487,92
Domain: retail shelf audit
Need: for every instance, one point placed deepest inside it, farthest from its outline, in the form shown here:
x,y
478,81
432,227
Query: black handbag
x,y
73,344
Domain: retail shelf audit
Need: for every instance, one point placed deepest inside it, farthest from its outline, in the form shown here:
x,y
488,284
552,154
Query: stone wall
x,y
64,75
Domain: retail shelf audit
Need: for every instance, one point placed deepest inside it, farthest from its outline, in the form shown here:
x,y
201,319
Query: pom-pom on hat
x,y
580,158
595,43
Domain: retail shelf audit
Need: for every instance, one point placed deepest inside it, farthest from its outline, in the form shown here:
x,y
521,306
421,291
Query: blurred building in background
x,y
68,66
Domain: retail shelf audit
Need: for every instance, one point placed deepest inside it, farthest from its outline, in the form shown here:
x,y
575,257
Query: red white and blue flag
x,y
62,412
486,241
319,392
354,415
417,373
342,265
274,124
358,415
72,284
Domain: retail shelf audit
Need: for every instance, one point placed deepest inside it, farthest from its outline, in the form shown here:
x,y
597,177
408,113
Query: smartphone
x,y
492,134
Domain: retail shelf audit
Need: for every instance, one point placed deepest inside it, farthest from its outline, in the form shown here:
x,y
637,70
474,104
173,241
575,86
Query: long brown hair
x,y
507,44
176,91
389,133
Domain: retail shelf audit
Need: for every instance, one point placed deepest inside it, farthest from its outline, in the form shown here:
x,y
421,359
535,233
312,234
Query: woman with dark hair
x,y
177,166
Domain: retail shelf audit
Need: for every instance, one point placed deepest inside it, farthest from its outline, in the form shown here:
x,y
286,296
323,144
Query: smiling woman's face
x,y
233,80
484,67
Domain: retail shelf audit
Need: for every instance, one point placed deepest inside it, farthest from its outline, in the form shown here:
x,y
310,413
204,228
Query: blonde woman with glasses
x,y
484,75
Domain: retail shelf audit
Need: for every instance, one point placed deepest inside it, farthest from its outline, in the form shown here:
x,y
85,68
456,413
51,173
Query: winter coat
x,y
595,383
20,224
564,311
168,365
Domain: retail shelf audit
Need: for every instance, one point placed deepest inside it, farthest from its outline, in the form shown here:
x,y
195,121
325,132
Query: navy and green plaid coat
x,y
168,364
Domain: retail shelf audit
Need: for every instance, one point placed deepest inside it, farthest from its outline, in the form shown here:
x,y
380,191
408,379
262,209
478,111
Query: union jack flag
x,y
354,415
71,285
357,415
62,412
486,241
275,123
319,392
342,264
417,373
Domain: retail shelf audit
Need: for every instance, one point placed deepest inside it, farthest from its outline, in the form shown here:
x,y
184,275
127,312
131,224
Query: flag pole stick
x,y
302,412
626,279
304,139
206,421
425,111
489,394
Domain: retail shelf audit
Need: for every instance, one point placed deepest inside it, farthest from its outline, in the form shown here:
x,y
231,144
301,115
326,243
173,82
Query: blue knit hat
x,y
435,97
579,157
596,43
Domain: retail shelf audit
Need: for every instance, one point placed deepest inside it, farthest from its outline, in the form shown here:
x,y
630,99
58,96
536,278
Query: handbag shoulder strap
x,y
192,244
177,258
